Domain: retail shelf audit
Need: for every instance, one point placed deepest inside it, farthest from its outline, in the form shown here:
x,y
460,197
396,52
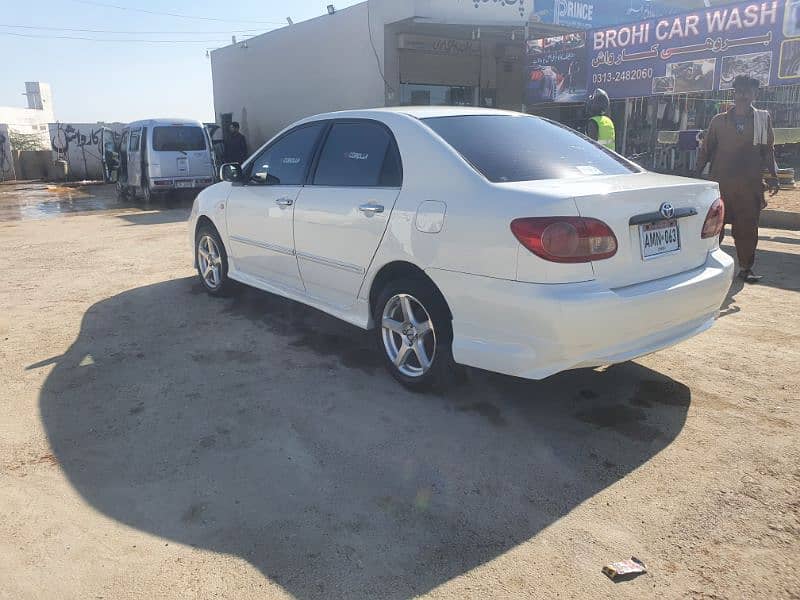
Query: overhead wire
x,y
129,32
115,40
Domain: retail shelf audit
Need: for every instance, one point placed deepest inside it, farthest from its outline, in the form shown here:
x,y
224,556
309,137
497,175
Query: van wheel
x,y
122,192
415,335
147,193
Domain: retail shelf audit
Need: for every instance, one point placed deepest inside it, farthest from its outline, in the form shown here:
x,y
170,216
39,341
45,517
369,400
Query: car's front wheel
x,y
415,334
212,261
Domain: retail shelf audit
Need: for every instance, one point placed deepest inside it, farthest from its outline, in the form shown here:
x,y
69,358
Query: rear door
x,y
340,218
180,151
135,157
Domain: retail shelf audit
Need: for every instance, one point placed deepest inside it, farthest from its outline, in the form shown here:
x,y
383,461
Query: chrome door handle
x,y
371,209
284,201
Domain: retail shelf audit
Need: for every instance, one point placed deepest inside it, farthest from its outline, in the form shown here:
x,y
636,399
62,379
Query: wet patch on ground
x,y
308,328
487,410
38,201
669,393
622,419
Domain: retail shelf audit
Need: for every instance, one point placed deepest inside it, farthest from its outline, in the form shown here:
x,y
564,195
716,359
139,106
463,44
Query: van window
x,y
135,138
176,138
359,155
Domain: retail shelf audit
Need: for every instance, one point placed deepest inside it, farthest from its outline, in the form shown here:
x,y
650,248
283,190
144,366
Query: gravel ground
x,y
156,442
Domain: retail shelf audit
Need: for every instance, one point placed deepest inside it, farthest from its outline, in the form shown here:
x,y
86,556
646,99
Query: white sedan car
x,y
468,236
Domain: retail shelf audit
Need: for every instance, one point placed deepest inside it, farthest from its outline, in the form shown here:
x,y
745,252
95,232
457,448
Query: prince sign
x,y
698,51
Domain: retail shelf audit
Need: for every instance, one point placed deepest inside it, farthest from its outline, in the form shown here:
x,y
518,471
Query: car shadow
x,y
258,427
173,208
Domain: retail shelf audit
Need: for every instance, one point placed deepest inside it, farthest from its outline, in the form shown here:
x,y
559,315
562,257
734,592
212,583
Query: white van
x,y
160,155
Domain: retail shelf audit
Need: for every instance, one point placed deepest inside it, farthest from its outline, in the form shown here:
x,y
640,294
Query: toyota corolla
x,y
471,237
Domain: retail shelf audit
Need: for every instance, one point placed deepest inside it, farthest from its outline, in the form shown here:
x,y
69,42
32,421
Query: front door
x,y
341,217
135,157
261,209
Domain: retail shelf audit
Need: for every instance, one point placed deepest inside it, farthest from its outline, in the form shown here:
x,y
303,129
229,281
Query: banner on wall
x,y
587,14
556,69
699,51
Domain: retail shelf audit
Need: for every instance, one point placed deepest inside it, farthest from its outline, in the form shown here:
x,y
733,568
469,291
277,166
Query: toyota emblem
x,y
667,210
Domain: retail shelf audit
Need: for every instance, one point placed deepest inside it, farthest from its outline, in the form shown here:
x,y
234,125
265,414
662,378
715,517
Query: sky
x,y
124,81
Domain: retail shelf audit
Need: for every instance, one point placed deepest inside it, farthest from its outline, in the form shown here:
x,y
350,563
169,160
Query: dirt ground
x,y
159,443
786,200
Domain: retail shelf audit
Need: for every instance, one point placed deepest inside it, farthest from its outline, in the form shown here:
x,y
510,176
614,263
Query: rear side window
x,y
359,155
286,161
508,148
135,138
178,139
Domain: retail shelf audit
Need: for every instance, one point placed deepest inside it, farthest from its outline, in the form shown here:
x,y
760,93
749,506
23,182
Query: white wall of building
x,y
31,121
335,62
6,159
323,64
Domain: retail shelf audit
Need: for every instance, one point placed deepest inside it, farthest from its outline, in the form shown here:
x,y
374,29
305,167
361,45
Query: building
x,y
32,120
31,140
398,52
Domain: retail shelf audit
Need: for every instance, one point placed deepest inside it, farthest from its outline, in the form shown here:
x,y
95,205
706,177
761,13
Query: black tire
x,y
122,192
226,285
443,371
148,195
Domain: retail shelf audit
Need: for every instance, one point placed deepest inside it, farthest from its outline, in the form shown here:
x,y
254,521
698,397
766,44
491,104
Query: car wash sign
x,y
698,51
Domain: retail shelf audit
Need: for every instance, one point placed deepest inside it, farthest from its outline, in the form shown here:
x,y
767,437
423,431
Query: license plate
x,y
184,184
661,237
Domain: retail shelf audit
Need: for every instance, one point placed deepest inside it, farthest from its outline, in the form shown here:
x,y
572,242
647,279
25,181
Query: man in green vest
x,y
600,126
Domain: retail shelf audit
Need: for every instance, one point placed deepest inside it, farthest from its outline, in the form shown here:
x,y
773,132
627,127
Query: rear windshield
x,y
178,139
508,148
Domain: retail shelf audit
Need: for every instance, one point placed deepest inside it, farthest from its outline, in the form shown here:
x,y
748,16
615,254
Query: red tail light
x,y
715,220
566,239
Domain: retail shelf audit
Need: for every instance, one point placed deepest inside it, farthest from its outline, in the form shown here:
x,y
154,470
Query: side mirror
x,y
231,172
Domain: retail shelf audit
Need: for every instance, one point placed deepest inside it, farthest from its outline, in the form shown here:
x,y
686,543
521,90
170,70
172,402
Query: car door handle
x,y
284,201
371,209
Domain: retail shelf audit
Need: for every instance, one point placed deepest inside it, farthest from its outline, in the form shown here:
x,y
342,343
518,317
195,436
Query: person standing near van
x,y
600,126
740,145
236,148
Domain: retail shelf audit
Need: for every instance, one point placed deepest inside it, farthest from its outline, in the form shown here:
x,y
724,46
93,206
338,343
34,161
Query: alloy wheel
x,y
409,337
209,262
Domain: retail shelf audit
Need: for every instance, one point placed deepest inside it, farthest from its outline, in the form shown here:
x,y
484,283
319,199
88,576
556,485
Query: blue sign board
x,y
698,51
587,14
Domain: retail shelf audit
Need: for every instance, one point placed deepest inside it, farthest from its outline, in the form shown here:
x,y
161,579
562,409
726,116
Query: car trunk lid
x,y
630,205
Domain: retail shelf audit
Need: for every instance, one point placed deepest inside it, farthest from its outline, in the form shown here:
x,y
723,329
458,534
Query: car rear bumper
x,y
536,330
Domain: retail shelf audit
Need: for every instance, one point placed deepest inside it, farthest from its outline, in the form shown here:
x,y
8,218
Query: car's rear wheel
x,y
415,334
212,262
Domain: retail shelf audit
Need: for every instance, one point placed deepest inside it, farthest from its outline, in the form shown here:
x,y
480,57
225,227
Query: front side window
x,y
507,148
286,161
177,138
359,155
135,138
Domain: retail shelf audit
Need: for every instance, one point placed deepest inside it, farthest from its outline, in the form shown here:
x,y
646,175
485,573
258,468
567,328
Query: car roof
x,y
154,122
417,112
